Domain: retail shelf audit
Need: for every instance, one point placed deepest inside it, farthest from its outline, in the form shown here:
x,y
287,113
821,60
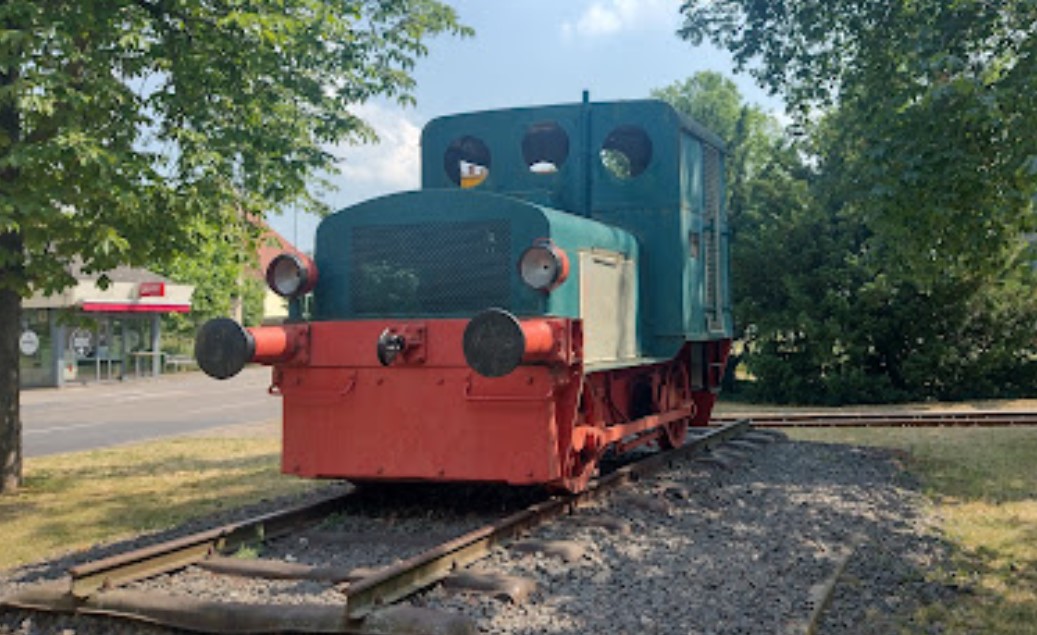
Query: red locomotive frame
x,y
429,416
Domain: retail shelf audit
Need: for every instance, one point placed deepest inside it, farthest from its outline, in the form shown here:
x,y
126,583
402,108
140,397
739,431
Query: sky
x,y
524,53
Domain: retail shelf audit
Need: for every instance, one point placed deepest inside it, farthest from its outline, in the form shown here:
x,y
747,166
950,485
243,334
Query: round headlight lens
x,y
290,275
543,266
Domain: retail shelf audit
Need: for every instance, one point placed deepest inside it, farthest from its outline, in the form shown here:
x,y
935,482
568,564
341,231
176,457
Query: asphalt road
x,y
87,417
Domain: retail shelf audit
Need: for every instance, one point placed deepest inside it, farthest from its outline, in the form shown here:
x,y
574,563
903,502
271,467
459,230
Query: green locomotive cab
x,y
630,191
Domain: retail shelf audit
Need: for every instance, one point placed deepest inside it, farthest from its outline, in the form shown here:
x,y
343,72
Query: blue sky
x,y
524,53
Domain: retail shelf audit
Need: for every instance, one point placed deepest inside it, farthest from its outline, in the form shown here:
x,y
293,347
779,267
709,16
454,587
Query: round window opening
x,y
545,147
467,161
627,151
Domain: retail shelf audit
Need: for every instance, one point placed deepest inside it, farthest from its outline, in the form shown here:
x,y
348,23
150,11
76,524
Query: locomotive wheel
x,y
581,467
581,462
674,434
673,394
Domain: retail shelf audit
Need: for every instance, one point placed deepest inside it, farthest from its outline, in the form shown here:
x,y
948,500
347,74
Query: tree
x,y
224,272
942,120
923,173
710,99
123,124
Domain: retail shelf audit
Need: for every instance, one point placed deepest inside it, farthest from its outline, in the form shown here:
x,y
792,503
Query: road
x,y
79,418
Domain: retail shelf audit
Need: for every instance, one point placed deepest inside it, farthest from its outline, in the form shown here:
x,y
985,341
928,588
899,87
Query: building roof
x,y
119,274
130,290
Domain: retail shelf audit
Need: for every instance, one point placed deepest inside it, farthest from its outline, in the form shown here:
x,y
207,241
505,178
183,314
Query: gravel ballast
x,y
739,543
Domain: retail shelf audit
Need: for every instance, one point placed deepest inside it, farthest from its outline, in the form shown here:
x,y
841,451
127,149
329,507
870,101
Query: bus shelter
x,y
89,333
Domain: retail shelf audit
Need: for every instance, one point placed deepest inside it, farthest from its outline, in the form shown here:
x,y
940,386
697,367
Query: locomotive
x,y
557,289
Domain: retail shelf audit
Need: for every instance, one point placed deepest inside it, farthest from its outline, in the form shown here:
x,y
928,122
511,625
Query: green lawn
x,y
983,484
73,501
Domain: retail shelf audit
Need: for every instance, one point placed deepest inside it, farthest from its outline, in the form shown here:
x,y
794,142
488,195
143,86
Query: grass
x,y
983,484
69,502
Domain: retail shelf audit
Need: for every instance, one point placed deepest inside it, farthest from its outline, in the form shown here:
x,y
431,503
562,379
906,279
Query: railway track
x,y
110,587
891,419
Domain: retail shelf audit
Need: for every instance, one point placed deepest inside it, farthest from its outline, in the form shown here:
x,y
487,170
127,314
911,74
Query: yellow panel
x,y
608,306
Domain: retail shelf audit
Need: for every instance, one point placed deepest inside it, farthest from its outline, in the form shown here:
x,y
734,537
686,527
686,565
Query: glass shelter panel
x,y
36,352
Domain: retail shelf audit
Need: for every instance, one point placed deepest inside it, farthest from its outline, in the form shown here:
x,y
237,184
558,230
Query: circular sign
x,y
29,343
82,342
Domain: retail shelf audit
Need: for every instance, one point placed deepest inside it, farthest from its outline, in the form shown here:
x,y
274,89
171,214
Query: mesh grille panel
x,y
714,316
430,268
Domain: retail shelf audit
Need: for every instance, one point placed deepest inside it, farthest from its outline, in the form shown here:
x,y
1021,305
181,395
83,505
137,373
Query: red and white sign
x,y
152,290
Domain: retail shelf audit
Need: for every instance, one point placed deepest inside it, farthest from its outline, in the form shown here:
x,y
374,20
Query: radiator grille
x,y
430,268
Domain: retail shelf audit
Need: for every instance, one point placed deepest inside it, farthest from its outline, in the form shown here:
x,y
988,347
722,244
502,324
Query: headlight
x,y
291,275
544,266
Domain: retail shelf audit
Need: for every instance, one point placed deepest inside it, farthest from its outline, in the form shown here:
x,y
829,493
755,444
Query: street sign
x,y
82,342
29,343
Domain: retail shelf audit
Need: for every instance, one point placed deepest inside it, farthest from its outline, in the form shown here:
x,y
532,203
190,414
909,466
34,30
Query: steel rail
x,y
171,555
893,419
94,586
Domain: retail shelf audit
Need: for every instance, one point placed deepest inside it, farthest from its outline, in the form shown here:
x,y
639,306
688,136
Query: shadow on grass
x,y
984,607
66,478
990,588
214,494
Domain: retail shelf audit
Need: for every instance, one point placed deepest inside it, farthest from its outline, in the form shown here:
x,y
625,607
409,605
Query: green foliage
x,y
709,98
933,140
224,272
901,268
617,163
248,552
133,121
216,269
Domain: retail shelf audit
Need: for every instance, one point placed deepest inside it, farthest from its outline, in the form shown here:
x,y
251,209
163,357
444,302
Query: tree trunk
x,y
10,376
12,285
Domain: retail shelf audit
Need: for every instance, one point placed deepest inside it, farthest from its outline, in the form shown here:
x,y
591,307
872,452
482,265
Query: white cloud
x,y
608,17
599,20
394,163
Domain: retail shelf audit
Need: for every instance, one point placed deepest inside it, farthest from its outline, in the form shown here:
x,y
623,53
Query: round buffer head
x,y
494,343
223,347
